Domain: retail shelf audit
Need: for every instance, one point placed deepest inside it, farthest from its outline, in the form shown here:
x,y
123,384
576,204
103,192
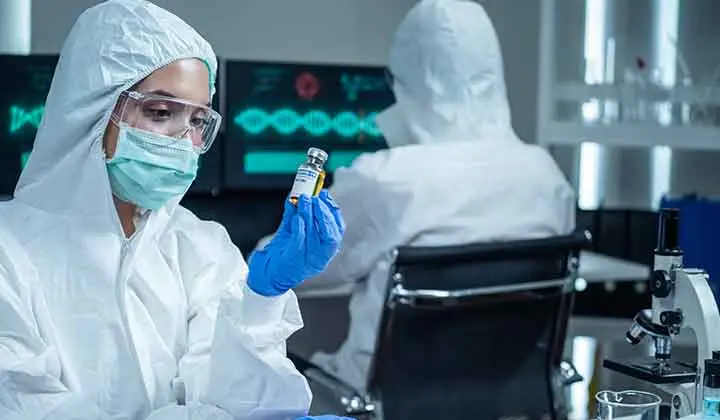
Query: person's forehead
x,y
186,79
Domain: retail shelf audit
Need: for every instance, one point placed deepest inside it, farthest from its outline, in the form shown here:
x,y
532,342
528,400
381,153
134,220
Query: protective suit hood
x,y
448,76
111,47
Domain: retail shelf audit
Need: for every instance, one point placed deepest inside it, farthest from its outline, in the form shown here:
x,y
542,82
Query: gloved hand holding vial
x,y
308,238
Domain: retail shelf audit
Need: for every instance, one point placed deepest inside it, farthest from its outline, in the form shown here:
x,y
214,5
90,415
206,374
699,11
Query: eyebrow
x,y
169,94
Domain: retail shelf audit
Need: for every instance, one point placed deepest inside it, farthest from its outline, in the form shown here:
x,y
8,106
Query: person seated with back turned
x,y
455,172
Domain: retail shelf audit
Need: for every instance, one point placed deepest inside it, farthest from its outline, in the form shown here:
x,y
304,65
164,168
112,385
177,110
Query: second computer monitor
x,y
275,111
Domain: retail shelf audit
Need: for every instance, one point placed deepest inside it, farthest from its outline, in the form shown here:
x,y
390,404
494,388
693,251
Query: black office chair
x,y
470,332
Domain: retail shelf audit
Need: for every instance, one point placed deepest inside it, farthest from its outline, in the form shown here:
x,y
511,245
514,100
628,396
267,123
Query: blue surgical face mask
x,y
150,169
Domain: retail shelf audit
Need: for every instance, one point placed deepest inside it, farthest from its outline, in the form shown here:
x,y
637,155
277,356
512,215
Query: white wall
x,y
345,31
517,23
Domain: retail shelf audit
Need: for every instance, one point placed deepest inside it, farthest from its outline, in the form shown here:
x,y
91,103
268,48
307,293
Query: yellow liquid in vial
x,y
320,183
318,187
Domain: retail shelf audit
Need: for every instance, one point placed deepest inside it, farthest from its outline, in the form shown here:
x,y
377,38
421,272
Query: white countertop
x,y
596,267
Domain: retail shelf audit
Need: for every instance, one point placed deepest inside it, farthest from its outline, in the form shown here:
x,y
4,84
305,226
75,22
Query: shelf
x,y
631,135
581,92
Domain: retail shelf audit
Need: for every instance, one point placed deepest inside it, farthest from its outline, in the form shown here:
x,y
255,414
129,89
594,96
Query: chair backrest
x,y
475,331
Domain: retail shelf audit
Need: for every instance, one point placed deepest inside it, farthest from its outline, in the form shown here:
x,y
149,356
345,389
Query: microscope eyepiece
x,y
668,239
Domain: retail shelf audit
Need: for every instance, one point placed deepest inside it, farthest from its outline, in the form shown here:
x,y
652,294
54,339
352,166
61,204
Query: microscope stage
x,y
649,370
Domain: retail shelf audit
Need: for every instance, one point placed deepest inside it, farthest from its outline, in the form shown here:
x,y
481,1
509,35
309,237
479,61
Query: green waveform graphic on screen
x,y
316,123
21,117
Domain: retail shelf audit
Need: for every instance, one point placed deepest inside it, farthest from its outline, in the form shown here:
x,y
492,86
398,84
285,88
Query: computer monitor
x,y
23,90
24,85
275,111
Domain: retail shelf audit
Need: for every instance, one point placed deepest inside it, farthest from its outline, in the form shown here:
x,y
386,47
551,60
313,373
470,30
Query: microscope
x,y
681,299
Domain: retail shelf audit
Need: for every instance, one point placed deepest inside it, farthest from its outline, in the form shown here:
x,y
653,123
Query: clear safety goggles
x,y
167,116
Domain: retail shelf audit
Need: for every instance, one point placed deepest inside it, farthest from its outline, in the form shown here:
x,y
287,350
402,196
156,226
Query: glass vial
x,y
310,176
711,387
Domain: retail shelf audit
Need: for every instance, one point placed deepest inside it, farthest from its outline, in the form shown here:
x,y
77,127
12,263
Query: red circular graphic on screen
x,y
307,86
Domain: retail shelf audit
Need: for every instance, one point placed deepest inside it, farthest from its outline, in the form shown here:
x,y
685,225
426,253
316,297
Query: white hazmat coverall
x,y
455,172
97,326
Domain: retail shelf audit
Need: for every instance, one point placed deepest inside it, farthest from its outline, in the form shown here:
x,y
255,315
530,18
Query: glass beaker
x,y
627,405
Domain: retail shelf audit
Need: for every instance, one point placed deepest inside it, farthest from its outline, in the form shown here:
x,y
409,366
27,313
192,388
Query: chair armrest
x,y
409,296
353,401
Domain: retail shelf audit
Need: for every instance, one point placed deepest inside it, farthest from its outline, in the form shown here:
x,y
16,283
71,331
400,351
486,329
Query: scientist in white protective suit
x,y
115,302
455,172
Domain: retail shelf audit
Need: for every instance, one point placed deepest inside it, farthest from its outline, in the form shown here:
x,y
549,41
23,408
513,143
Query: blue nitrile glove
x,y
327,417
308,238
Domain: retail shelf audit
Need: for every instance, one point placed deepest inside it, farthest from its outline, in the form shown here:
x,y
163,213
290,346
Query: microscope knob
x,y
671,318
660,284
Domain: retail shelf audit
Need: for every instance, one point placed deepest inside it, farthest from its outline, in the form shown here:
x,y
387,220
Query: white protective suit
x,y
97,326
455,173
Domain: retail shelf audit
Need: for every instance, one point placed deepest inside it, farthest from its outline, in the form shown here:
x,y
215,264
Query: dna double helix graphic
x,y
255,121
316,123
21,117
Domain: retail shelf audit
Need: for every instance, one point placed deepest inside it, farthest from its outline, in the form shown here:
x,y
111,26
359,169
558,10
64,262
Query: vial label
x,y
711,407
305,182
